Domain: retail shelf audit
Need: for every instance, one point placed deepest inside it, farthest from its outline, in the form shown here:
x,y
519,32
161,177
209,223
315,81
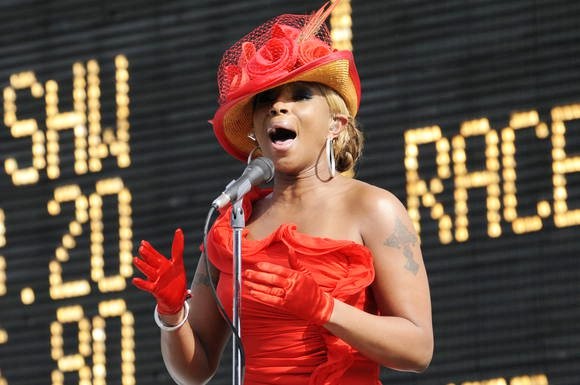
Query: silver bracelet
x,y
168,328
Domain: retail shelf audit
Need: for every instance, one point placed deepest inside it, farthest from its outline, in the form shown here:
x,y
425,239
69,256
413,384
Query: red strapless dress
x,y
280,348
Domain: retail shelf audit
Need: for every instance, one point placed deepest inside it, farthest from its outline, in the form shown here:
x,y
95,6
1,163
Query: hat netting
x,y
260,36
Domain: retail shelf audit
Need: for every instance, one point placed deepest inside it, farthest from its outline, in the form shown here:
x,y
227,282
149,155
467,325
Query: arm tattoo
x,y
403,239
201,277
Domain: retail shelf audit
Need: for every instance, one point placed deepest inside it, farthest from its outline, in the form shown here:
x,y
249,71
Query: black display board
x,y
471,113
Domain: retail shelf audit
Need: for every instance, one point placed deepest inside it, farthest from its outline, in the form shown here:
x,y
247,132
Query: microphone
x,y
258,171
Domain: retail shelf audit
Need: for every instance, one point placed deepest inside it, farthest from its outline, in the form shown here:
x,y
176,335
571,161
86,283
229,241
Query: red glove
x,y
291,289
165,277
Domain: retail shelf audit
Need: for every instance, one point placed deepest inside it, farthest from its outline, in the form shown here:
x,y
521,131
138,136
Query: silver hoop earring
x,y
251,154
330,157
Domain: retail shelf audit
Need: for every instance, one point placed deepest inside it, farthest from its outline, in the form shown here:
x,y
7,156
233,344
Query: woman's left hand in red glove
x,y
293,289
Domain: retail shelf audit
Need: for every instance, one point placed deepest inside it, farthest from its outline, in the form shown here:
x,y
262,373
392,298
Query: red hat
x,y
288,48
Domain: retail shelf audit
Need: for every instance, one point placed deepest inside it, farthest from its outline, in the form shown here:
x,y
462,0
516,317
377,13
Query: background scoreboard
x,y
471,112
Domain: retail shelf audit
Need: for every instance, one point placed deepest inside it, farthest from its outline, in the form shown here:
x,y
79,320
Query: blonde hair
x,y
349,144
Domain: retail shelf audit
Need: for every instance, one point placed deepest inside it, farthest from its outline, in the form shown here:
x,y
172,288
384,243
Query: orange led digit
x,y
113,186
70,362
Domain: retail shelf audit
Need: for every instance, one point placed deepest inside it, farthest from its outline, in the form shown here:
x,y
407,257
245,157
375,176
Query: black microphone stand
x,y
238,223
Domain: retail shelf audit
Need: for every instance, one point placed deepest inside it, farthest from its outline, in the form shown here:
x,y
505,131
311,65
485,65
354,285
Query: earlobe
x,y
339,122
333,131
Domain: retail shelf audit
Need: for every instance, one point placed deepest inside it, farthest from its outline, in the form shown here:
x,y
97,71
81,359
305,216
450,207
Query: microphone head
x,y
259,170
265,165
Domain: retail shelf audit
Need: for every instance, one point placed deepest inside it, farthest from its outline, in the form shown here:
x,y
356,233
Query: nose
x,y
278,108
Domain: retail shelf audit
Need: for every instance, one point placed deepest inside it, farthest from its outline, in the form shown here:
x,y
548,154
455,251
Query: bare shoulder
x,y
374,203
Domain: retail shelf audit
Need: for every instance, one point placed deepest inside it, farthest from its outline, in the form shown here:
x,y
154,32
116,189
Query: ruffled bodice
x,y
280,348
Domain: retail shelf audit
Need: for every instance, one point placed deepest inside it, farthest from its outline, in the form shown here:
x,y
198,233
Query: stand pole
x,y
238,224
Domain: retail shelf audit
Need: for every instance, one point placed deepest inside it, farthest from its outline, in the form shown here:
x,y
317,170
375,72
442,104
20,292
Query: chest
x,y
324,220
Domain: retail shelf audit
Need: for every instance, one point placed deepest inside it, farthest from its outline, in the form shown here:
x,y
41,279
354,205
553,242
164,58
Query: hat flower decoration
x,y
285,49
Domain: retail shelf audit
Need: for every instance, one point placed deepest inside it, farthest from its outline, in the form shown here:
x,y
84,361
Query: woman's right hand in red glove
x,y
166,279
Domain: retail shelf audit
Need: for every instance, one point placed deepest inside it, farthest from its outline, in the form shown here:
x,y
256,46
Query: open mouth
x,y
280,135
